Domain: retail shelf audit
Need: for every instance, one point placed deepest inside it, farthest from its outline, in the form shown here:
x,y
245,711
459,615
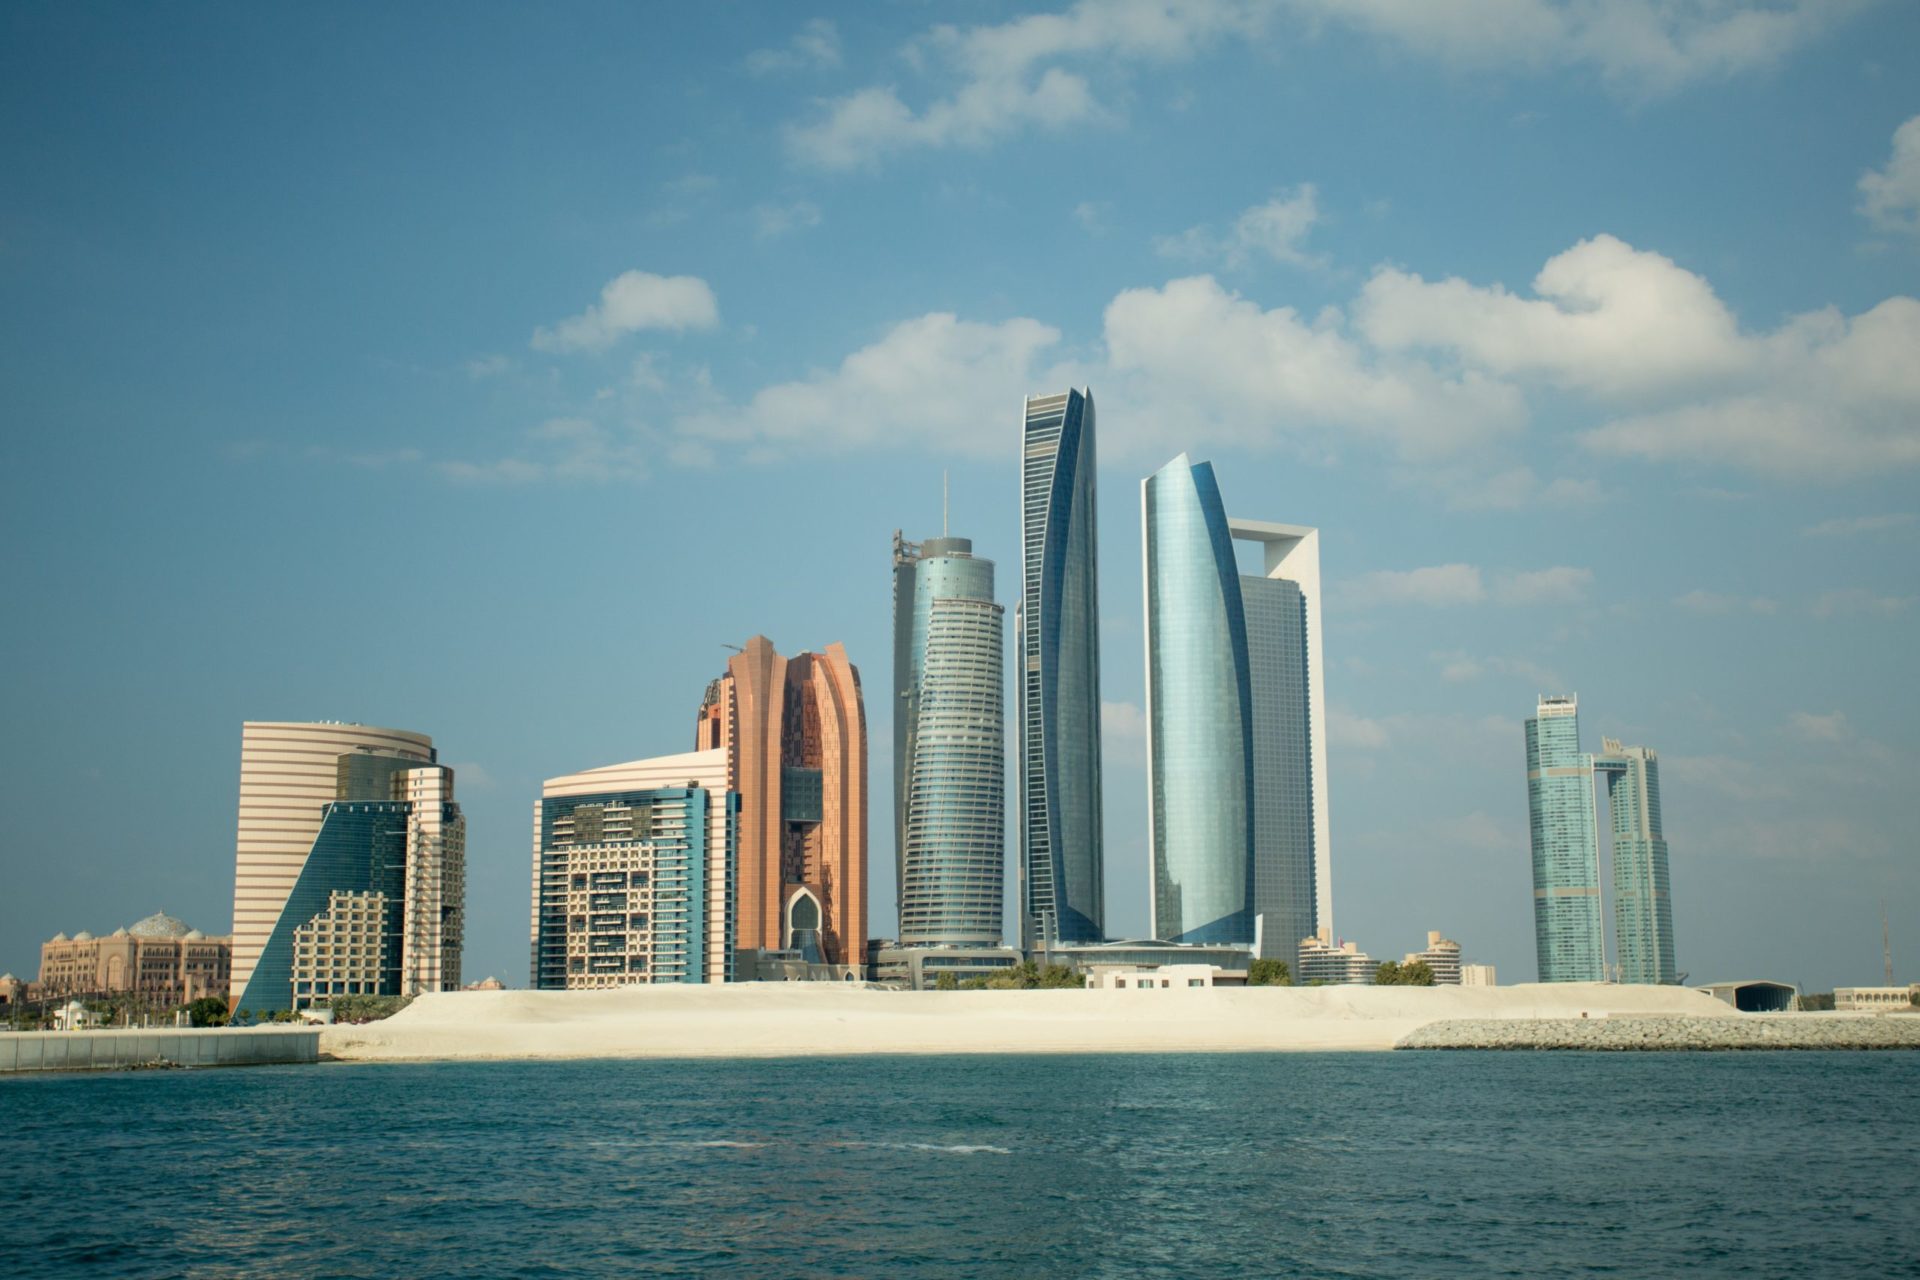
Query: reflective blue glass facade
x,y
1642,901
1569,935
949,745
361,848
1199,713
1057,642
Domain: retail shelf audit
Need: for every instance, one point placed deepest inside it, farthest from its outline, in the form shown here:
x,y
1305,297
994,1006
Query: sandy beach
x,y
806,1019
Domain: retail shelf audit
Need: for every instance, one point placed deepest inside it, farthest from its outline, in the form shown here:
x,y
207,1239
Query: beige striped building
x,y
288,772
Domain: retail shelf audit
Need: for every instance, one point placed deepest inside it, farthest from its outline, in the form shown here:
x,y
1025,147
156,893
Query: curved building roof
x,y
83,936
159,925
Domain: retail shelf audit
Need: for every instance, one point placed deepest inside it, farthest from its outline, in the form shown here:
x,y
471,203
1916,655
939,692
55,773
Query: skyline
x,y
304,393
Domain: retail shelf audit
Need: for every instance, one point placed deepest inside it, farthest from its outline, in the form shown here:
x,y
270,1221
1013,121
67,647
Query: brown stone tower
x,y
795,733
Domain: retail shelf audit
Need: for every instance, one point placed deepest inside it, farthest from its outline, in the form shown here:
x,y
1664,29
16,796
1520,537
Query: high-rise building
x,y
1335,962
794,731
1236,740
332,809
633,868
1568,933
1642,906
949,745
1057,643
1442,957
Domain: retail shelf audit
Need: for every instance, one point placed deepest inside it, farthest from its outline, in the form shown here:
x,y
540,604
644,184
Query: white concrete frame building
x,y
288,772
707,769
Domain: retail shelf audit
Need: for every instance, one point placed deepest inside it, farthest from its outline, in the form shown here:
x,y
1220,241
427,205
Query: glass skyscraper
x,y
1642,906
1236,741
1057,640
1568,934
949,744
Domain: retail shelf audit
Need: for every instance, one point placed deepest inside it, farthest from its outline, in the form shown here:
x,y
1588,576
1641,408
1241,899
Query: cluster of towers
x,y
1236,736
1568,918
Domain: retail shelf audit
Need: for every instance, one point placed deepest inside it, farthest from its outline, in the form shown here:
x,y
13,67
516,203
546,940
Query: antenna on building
x,y
737,648
1886,945
943,502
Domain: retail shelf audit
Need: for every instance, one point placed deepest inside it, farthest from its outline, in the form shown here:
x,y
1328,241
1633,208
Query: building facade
x,y
949,745
1442,958
1569,934
160,960
633,874
1478,975
794,736
1642,899
1323,960
1236,752
1057,678
373,816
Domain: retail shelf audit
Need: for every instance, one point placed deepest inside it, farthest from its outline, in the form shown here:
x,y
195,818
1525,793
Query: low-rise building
x,y
1323,960
921,968
1442,956
1874,999
160,959
13,993
1166,977
1145,952
1477,975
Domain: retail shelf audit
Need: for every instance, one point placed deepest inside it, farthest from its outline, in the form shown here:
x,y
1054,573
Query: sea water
x,y
1248,1165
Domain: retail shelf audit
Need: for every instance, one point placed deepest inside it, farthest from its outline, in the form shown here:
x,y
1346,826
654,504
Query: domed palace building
x,y
160,959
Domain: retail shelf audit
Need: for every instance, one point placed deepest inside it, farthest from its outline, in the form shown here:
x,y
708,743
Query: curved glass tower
x,y
1057,639
1642,902
949,745
1199,713
1568,937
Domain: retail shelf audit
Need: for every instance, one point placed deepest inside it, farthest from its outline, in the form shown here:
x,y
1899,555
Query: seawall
x,y
1733,1032
147,1047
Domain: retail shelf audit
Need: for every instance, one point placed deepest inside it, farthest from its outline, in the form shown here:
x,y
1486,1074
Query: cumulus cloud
x,y
1890,197
1012,76
1562,584
1346,729
1858,600
1272,230
1209,365
1608,319
816,46
563,449
1460,667
632,301
933,380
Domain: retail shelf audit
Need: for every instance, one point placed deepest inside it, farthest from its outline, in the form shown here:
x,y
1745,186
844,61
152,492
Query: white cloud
x,y
1345,729
1123,732
1725,775
632,301
1608,319
930,381
1211,368
1010,76
1890,197
1718,604
565,449
1831,727
1459,667
1092,214
1468,488
1842,526
488,366
1562,584
1858,600
773,220
1441,584
1639,47
1273,230
815,47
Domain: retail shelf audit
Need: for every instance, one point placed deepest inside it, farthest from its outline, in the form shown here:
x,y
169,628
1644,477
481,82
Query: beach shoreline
x,y
771,1020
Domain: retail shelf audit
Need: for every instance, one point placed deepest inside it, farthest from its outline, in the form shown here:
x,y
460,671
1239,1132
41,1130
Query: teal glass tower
x,y
1057,642
1236,780
949,744
1642,903
1568,933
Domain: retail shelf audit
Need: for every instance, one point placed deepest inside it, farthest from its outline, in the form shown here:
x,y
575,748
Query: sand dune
x,y
805,1019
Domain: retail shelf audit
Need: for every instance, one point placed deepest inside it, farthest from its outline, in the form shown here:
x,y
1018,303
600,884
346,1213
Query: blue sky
x,y
482,370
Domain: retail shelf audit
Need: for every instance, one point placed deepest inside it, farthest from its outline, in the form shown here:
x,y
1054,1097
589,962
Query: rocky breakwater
x,y
1730,1031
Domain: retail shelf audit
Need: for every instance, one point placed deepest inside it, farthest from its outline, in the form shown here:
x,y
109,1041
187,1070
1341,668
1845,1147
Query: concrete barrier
x,y
183,1047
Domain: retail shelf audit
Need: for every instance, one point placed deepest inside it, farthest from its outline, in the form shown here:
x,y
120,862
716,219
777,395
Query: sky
x,y
483,370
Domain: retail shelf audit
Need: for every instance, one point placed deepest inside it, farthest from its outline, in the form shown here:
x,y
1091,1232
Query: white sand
x,y
767,1019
